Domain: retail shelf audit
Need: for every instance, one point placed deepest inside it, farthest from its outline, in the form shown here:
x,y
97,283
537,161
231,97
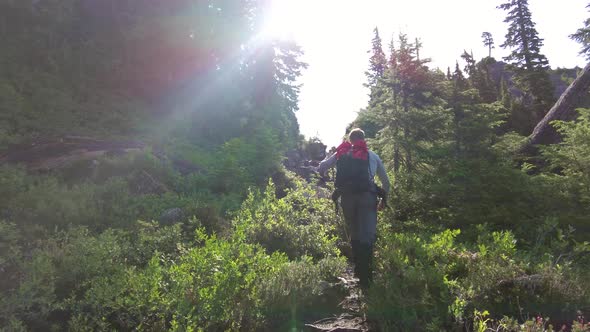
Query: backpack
x,y
352,174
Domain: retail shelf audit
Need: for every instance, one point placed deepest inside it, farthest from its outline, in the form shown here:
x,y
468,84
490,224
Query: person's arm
x,y
382,174
326,164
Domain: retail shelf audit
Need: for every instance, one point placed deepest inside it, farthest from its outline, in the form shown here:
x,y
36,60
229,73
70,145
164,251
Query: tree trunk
x,y
563,109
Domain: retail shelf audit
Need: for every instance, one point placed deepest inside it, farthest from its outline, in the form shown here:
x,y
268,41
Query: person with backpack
x,y
356,167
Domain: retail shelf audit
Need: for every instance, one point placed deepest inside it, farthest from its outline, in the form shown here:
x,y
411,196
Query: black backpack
x,y
352,174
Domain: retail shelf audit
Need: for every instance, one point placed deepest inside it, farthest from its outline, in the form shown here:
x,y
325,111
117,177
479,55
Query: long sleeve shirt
x,y
375,168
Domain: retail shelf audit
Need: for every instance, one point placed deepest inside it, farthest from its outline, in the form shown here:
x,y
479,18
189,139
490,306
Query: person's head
x,y
357,134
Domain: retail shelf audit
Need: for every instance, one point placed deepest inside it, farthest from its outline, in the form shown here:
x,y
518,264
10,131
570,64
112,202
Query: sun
x,y
282,21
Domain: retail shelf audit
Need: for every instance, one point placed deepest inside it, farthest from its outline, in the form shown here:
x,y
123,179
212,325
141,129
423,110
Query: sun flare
x,y
283,20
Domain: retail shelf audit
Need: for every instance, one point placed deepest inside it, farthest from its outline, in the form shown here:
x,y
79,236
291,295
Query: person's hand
x,y
380,205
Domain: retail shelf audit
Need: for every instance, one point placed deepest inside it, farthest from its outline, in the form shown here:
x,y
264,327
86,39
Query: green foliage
x,y
449,143
43,201
172,277
102,72
298,224
582,36
529,66
571,160
435,282
572,156
482,322
410,292
471,240
289,294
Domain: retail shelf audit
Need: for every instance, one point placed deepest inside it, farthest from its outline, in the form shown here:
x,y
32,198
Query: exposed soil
x,y
348,314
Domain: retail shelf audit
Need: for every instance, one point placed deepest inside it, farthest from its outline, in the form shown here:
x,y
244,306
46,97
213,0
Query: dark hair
x,y
357,134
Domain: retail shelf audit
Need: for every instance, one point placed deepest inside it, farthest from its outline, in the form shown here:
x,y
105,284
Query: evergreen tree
x,y
408,113
418,46
378,61
522,37
479,76
459,79
582,36
529,64
111,67
377,68
459,85
469,62
488,41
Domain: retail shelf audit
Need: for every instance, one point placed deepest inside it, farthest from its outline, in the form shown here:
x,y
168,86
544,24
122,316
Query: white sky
x,y
336,35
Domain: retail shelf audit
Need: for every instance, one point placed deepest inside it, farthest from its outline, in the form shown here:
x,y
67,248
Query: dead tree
x,y
563,109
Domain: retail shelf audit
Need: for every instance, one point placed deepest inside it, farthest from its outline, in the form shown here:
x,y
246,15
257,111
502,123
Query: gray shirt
x,y
375,168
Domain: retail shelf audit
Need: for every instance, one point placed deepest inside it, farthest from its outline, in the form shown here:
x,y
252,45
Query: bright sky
x,y
336,35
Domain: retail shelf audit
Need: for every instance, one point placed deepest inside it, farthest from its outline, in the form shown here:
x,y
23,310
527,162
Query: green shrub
x,y
298,224
409,291
426,282
293,291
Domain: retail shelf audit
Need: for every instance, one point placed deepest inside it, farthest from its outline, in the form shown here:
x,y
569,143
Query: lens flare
x,y
282,20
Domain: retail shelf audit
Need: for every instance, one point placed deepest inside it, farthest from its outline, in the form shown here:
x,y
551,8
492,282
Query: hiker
x,y
356,167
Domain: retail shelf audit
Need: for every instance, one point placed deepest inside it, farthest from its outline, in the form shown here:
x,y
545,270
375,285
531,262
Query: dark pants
x,y
360,214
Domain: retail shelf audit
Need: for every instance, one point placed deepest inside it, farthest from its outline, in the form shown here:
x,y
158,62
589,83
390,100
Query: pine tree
x,y
407,114
529,64
378,61
582,36
523,37
418,46
488,41
459,79
470,62
460,84
479,76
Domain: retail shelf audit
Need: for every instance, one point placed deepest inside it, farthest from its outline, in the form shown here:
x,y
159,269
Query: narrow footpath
x,y
348,315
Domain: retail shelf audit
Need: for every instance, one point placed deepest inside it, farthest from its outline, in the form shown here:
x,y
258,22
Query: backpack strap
x,y
369,162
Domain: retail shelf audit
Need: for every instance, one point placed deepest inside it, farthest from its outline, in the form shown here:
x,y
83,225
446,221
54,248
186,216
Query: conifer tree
x,y
470,62
522,37
418,46
460,84
582,36
529,64
407,113
459,79
378,61
377,68
488,41
479,76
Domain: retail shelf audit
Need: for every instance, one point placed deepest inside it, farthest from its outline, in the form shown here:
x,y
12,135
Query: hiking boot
x,y
364,265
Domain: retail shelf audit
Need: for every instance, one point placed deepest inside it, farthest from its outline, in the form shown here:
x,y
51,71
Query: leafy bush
x,y
162,277
421,279
409,291
293,292
298,224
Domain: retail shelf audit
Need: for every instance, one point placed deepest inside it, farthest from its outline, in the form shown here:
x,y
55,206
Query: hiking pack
x,y
352,173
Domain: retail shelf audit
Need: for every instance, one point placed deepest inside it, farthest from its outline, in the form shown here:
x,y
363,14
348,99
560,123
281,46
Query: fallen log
x,y
563,109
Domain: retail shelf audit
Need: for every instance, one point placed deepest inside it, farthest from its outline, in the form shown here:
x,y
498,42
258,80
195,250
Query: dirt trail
x,y
348,316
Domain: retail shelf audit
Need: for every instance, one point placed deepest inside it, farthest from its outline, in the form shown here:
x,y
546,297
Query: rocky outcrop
x,y
56,153
305,159
560,78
